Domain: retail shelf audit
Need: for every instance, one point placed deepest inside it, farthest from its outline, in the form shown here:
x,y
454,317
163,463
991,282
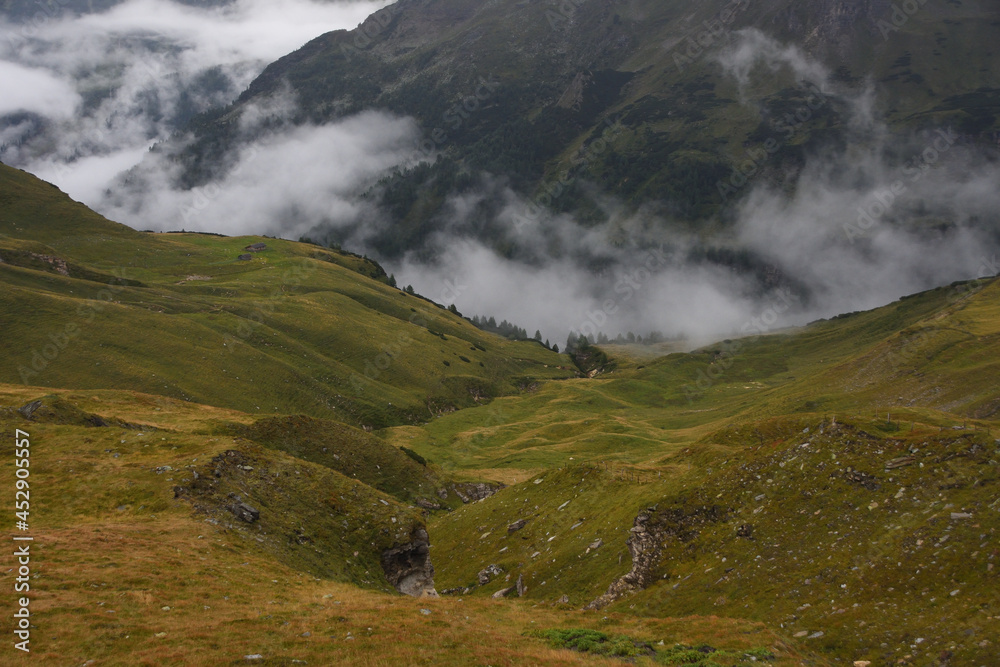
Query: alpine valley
x,y
258,448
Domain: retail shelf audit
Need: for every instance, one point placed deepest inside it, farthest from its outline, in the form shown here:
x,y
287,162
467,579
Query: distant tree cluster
x,y
505,328
509,330
652,338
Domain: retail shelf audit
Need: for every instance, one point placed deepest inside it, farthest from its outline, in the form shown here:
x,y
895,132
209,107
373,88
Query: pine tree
x,y
555,348
392,280
538,335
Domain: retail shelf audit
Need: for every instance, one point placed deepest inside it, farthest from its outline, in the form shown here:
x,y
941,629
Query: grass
x,y
124,573
853,551
299,329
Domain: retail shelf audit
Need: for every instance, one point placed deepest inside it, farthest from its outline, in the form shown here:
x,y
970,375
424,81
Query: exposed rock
x,y
29,409
504,592
595,545
516,526
245,258
900,462
472,491
563,600
486,575
645,544
57,263
256,247
746,530
408,566
519,585
442,494
869,482
427,504
242,510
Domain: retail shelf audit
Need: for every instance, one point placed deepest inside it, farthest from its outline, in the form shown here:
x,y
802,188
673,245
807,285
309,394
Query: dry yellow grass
x,y
102,591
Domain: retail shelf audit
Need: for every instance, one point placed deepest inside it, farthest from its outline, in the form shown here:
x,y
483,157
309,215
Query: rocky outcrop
x,y
472,491
486,575
516,526
240,509
28,410
423,503
408,566
645,543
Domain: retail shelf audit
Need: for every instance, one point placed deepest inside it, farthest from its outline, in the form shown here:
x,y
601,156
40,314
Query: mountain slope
x,y
527,92
292,329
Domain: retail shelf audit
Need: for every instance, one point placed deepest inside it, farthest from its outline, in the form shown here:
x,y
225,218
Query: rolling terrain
x,y
253,457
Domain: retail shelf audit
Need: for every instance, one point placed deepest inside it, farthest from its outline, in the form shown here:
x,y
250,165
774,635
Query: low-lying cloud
x,y
84,96
854,228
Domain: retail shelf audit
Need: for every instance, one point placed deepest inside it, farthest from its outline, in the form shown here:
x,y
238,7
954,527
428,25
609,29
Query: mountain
x,y
295,327
571,103
816,495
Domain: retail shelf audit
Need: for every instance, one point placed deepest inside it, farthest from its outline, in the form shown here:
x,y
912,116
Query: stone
x,y
427,504
243,511
29,409
563,600
746,530
473,491
862,663
900,462
504,592
245,258
595,545
521,588
486,575
516,526
408,566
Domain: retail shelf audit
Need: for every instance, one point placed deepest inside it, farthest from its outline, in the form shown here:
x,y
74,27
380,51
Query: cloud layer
x,y
855,228
93,92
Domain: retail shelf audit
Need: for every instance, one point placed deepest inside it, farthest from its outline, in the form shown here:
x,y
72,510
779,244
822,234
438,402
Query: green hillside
x,y
235,458
88,303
